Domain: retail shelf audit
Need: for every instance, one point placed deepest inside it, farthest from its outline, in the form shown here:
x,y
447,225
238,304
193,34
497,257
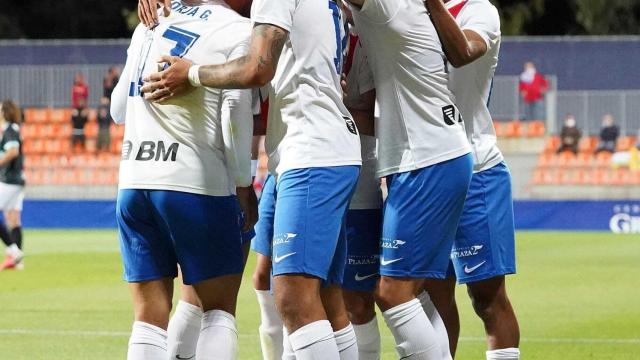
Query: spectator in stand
x,y
570,135
104,125
80,113
110,81
638,140
609,134
533,87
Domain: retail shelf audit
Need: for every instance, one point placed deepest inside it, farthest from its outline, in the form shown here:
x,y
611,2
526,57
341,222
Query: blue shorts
x,y
309,235
363,250
161,229
485,242
261,243
421,216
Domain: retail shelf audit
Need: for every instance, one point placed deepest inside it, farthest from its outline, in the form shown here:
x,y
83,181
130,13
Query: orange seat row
x,y
63,146
603,177
570,160
64,130
515,129
54,115
63,176
589,144
101,160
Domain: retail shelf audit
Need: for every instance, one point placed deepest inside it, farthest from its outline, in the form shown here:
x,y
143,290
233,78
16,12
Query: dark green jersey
x,y
13,172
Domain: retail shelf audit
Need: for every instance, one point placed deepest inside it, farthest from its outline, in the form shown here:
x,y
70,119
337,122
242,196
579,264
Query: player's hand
x,y
148,11
249,205
169,83
343,85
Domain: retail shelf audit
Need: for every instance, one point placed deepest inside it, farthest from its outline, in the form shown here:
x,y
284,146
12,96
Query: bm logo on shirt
x,y
150,151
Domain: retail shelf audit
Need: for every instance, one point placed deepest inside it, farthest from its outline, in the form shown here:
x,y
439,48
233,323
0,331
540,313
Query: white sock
x,y
184,330
368,337
347,343
270,327
218,336
14,251
147,342
315,341
414,334
437,323
504,354
287,352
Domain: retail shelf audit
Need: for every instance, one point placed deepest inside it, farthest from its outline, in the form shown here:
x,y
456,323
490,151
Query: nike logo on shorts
x,y
384,262
469,270
277,259
361,278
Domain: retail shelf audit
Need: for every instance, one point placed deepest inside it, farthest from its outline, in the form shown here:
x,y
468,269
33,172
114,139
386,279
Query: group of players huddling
x,y
329,249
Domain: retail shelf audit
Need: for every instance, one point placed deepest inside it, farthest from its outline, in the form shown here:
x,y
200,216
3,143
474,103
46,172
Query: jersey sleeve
x,y
276,12
379,11
120,93
11,139
482,18
237,127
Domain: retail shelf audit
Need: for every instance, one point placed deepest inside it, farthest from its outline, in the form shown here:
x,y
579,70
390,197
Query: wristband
x,y
254,168
194,75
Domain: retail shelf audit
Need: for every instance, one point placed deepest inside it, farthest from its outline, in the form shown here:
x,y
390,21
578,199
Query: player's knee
x,y
488,304
392,292
360,311
261,279
154,312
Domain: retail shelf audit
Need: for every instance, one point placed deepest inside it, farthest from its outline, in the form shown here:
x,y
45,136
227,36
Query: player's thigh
x,y
205,231
219,293
152,301
488,293
146,247
362,268
261,243
484,246
310,209
334,306
262,273
421,215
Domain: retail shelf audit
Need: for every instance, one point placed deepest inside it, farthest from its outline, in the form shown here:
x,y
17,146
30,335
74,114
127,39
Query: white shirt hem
x,y
173,187
424,163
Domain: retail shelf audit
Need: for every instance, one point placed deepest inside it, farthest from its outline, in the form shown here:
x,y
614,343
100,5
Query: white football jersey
x,y
308,126
368,194
419,125
197,143
471,84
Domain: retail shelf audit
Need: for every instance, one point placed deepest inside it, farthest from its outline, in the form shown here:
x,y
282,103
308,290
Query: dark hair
x,y
10,111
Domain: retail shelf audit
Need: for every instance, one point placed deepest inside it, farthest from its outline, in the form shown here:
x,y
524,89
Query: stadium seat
x,y
585,159
35,115
625,143
552,144
60,115
500,128
588,144
536,129
513,129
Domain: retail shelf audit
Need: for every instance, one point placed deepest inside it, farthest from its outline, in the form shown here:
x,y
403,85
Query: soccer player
x,y
314,151
181,165
484,248
11,184
364,219
425,156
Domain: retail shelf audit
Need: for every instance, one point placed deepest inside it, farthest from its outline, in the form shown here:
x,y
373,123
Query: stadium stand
x,y
49,158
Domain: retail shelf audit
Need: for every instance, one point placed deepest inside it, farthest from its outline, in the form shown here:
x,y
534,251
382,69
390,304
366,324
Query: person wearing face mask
x,y
570,135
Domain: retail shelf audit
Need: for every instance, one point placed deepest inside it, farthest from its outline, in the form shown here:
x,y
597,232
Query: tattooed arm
x,y
255,69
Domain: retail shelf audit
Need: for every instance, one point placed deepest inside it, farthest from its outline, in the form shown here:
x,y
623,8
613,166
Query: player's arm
x,y
237,133
364,114
462,47
255,69
11,149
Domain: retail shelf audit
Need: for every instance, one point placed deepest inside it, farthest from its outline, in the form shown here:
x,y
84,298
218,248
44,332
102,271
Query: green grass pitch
x,y
577,296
